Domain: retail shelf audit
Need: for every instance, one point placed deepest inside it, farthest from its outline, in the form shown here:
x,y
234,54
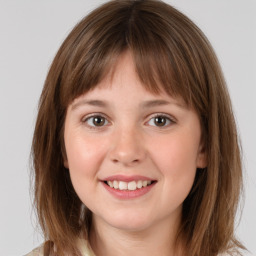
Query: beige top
x,y
84,248
82,245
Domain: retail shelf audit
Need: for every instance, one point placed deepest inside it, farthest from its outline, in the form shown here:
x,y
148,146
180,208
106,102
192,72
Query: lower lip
x,y
128,194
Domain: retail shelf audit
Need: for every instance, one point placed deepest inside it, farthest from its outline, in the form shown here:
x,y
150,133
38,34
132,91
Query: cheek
x,y
176,159
84,157
177,153
82,152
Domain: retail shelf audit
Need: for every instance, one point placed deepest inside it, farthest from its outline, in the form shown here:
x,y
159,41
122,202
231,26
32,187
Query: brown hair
x,y
170,52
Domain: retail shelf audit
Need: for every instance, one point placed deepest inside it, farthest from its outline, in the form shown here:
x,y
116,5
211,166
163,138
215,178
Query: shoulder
x,y
82,244
36,252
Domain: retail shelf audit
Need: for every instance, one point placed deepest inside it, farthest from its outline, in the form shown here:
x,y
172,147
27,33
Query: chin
x,y
130,222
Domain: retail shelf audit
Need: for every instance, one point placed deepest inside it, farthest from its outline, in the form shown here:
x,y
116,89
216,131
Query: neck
x,y
156,240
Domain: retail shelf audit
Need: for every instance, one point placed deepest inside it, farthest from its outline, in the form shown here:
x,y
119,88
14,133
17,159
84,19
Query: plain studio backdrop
x,y
31,33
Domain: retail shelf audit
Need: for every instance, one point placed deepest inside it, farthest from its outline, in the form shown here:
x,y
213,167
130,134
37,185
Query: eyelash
x,y
167,119
100,115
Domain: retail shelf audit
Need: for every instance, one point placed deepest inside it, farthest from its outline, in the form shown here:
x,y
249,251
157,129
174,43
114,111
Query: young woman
x,y
135,147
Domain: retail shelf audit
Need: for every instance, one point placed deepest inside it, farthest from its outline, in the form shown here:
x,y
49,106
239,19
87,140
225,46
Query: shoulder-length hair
x,y
169,52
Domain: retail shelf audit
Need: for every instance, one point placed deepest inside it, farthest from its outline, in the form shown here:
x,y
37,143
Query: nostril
x,y
135,161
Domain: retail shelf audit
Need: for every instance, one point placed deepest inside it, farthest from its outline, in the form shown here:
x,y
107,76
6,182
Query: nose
x,y
128,147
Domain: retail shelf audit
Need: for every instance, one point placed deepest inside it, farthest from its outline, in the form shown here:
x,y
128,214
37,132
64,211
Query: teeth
x,y
139,184
123,185
110,183
115,184
144,183
132,185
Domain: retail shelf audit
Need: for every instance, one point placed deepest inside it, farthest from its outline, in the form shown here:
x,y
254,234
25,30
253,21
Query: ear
x,y
64,154
66,165
201,157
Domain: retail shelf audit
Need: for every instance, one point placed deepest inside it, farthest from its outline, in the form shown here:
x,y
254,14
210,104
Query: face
x,y
132,155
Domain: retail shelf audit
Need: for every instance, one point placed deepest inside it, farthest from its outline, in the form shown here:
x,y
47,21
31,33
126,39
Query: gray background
x,y
30,34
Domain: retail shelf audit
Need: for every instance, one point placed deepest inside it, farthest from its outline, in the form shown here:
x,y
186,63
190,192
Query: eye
x,y
160,121
96,121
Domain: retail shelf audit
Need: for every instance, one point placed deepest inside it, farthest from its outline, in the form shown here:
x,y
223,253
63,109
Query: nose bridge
x,y
127,147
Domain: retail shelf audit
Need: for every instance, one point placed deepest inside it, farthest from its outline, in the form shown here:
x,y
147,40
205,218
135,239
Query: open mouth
x,y
129,186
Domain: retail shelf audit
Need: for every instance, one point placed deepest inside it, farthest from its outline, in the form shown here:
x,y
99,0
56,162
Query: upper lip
x,y
127,178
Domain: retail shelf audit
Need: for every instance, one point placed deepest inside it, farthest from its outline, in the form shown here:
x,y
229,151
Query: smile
x,y
132,185
128,187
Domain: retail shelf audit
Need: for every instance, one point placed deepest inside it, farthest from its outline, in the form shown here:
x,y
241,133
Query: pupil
x,y
160,121
98,121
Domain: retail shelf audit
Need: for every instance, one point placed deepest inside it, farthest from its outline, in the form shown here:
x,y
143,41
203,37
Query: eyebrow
x,y
146,104
156,103
97,103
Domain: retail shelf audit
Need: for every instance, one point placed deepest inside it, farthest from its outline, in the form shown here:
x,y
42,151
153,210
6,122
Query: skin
x,y
129,142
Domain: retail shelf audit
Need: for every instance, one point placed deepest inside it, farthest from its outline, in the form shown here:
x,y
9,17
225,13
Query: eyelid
x,y
167,116
87,117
